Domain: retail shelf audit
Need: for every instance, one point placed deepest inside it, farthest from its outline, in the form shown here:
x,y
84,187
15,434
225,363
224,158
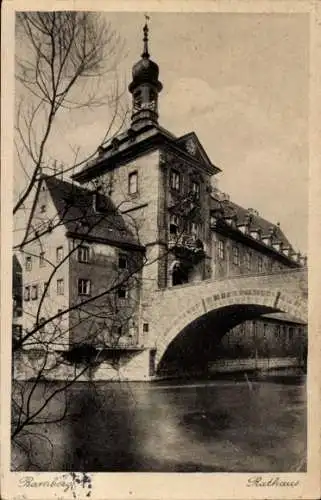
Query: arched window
x,y
137,100
153,100
179,274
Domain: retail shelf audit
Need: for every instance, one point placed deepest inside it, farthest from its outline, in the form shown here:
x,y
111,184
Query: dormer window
x,y
175,180
242,228
133,183
255,233
43,209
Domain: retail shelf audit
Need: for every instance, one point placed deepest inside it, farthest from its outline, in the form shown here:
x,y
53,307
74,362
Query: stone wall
x,y
133,365
173,309
249,364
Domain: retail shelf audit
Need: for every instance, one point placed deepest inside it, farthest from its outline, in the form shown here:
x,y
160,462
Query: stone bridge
x,y
222,304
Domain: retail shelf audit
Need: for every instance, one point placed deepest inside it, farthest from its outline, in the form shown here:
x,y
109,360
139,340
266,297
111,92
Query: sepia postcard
x,y
160,235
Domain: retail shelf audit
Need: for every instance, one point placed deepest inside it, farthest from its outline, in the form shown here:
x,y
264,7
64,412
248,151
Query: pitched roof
x,y
229,209
89,214
258,222
135,142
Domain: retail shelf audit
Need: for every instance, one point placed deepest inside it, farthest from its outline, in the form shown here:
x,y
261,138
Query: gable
x,y
191,145
43,215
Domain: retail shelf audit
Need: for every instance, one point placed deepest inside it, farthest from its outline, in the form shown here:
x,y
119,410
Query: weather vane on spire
x,y
145,39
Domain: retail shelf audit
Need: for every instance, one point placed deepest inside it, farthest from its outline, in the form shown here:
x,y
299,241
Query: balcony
x,y
186,246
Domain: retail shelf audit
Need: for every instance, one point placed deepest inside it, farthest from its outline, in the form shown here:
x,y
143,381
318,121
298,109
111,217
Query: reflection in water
x,y
201,426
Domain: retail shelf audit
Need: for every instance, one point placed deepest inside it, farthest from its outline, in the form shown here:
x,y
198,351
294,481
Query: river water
x,y
204,426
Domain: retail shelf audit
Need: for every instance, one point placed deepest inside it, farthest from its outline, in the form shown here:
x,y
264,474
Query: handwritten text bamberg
x,y
57,482
270,482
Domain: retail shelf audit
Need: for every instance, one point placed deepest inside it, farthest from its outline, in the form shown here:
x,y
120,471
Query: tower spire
x,y
145,53
145,86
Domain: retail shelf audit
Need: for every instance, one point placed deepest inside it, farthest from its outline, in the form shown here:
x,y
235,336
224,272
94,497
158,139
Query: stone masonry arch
x,y
276,300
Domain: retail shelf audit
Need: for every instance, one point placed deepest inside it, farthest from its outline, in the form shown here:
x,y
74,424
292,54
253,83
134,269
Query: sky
x,y
240,82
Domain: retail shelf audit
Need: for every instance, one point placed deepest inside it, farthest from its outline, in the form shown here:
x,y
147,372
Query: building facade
x,y
144,215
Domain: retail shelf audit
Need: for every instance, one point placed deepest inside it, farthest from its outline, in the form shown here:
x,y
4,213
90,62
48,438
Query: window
x,y
173,224
152,100
84,286
122,261
175,180
265,331
248,260
221,250
137,100
133,183
60,287
43,209
34,292
28,263
269,265
196,189
145,327
122,292
260,264
194,229
83,225
26,294
236,256
83,254
42,261
59,254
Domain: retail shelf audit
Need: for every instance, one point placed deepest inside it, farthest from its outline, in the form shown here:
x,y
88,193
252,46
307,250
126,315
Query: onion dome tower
x,y
145,87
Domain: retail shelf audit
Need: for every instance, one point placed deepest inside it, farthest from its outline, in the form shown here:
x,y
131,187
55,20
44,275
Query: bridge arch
x,y
255,300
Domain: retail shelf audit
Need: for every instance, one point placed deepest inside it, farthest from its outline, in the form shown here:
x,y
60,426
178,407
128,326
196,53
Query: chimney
x,y
253,211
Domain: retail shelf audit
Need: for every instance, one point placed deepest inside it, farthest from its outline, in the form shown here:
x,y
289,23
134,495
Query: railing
x,y
184,239
302,271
